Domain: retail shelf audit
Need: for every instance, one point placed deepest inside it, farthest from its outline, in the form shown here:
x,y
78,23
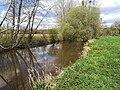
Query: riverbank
x,y
100,69
37,40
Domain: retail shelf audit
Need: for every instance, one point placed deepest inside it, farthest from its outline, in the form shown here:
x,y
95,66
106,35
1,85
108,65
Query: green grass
x,y
6,40
99,70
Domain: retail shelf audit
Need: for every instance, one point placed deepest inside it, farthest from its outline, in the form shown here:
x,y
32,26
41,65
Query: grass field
x,y
99,70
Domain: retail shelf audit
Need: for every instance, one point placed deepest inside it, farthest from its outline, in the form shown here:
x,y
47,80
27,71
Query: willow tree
x,y
81,23
95,21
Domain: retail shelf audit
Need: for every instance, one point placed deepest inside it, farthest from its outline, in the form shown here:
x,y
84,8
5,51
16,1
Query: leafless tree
x,y
20,13
63,6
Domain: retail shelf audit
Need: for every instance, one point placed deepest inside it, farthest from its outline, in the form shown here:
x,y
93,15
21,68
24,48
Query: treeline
x,y
113,30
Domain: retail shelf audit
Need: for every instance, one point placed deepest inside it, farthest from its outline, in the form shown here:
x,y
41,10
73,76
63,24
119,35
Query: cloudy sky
x,y
110,11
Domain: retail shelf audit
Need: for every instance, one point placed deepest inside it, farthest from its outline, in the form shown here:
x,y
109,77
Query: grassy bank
x,y
40,38
99,70
37,40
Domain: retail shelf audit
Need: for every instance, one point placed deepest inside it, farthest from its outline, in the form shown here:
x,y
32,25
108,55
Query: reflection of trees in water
x,y
15,73
54,49
68,53
15,64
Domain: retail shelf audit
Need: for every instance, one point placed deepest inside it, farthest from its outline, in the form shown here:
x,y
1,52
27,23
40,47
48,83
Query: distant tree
x,y
116,25
63,6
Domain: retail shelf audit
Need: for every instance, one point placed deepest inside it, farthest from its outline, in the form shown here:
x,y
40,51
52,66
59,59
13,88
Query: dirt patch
x,y
86,48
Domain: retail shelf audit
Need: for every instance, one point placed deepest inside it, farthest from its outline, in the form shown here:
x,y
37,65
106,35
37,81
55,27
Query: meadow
x,y
99,70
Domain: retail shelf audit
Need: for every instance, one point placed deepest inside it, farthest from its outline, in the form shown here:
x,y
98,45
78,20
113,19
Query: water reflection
x,y
14,65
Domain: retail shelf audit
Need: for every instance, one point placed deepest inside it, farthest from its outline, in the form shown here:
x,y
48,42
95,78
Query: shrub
x,y
53,35
79,22
68,32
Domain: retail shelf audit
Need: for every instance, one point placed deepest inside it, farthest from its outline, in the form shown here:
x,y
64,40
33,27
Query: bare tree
x,y
20,13
62,6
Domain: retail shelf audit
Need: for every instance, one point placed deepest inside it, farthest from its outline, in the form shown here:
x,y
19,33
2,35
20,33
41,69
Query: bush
x,y
39,40
53,35
68,32
79,22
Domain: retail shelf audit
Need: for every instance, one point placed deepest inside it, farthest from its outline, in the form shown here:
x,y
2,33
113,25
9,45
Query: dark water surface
x,y
14,65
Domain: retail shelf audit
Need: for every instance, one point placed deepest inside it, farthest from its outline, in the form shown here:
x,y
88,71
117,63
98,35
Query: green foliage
x,y
99,70
40,85
106,32
40,40
47,31
110,31
68,32
53,35
5,38
80,20
115,28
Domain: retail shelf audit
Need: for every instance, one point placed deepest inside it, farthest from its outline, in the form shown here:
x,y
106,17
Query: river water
x,y
15,64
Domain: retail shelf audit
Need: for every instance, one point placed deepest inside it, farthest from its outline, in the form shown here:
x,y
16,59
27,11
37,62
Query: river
x,y
50,59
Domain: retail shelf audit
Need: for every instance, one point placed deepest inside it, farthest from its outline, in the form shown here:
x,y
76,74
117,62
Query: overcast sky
x,y
110,10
